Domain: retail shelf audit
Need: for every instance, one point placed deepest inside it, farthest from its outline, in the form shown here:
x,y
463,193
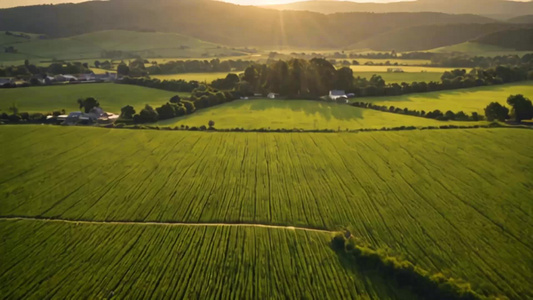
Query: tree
x,y
211,124
522,108
88,104
97,64
122,69
496,111
147,115
127,112
175,99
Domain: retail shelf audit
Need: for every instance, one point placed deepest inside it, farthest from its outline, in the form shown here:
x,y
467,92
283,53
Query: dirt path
x,y
56,220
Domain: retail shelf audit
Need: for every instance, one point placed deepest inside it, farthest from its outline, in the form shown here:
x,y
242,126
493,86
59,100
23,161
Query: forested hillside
x,y
518,39
220,22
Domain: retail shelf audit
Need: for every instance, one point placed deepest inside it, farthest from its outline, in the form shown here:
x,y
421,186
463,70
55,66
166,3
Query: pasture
x,y
407,69
477,49
460,207
91,46
112,97
467,100
304,114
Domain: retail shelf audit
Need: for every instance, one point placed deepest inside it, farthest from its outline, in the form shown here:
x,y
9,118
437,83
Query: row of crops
x,y
42,260
457,202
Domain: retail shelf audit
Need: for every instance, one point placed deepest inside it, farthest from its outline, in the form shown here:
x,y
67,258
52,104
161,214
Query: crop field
x,y
452,201
289,114
201,77
467,100
112,97
176,262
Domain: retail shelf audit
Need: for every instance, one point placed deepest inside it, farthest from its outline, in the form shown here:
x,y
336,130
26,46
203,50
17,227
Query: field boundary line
x,y
170,224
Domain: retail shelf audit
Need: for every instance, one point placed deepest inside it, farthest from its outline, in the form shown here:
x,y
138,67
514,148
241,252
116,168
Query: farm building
x,y
336,94
272,96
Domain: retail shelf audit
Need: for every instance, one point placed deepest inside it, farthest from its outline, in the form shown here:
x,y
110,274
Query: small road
x,y
181,224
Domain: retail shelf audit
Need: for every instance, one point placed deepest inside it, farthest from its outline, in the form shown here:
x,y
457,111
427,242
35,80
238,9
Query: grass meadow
x,y
467,100
452,201
91,45
112,97
304,114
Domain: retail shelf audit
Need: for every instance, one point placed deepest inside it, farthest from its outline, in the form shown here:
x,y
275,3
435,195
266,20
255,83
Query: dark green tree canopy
x,y
496,111
88,103
522,108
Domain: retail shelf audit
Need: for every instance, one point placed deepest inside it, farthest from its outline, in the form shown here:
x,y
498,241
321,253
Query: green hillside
x,y
467,100
461,208
304,114
91,45
220,22
112,97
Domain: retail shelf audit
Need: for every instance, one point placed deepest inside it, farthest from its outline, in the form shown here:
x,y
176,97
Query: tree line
x,y
28,70
465,61
436,114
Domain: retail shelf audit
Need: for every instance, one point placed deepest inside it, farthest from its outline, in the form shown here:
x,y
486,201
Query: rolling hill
x,y
97,44
517,39
498,8
219,22
429,36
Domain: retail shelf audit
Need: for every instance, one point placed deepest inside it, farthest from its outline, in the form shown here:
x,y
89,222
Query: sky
x,y
12,3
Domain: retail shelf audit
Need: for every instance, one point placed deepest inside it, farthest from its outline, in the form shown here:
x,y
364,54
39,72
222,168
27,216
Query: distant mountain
x,y
479,7
225,23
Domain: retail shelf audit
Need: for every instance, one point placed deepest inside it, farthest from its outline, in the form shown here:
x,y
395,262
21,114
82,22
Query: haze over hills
x,y
495,8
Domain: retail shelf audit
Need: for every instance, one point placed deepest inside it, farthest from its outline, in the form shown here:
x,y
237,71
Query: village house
x,y
336,94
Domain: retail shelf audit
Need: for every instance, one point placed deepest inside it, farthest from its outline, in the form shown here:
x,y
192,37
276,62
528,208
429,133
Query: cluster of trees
x,y
176,107
167,85
295,78
404,273
465,61
28,70
436,114
197,66
204,96
521,109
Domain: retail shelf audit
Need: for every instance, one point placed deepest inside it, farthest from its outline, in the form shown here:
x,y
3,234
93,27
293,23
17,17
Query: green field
x,y
289,114
177,263
452,201
112,97
477,49
402,77
201,77
91,45
467,100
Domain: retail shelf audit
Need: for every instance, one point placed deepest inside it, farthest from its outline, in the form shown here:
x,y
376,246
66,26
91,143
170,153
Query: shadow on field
x,y
373,279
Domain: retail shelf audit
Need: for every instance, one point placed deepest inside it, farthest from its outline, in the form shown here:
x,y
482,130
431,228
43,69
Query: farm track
x,y
181,224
